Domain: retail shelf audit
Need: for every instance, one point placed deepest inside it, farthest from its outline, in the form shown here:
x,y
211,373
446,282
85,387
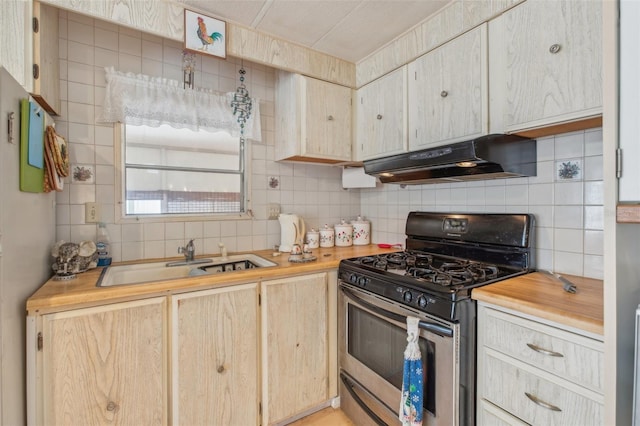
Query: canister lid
x,y
360,221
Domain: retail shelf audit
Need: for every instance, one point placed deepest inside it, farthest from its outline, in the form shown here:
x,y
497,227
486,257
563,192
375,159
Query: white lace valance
x,y
143,100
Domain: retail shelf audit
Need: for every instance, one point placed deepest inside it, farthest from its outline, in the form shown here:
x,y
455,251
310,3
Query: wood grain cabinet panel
x,y
105,365
295,346
448,93
15,44
546,64
46,75
215,356
489,414
559,352
533,371
313,120
537,399
381,118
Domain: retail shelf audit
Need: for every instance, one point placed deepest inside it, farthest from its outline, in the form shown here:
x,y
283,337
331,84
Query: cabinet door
x,y
295,346
448,92
15,43
46,81
552,58
381,127
629,190
215,357
105,365
327,126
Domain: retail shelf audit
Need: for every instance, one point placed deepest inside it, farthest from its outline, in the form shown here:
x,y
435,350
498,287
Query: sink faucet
x,y
189,251
223,250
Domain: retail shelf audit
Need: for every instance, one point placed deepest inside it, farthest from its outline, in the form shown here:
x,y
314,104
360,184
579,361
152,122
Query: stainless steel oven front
x,y
372,338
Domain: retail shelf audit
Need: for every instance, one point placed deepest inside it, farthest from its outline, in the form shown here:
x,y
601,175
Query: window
x,y
181,172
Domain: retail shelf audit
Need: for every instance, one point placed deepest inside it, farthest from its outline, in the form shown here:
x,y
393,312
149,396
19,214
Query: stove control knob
x,y
422,301
407,297
362,281
353,278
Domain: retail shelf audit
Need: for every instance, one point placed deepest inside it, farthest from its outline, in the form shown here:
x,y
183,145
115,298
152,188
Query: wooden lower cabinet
x,y
295,343
104,365
215,356
206,357
532,371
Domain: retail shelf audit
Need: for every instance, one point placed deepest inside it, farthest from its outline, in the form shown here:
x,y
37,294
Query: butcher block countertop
x,y
82,291
541,294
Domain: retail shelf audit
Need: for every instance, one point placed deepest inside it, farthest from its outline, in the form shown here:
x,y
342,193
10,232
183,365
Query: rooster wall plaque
x,y
204,34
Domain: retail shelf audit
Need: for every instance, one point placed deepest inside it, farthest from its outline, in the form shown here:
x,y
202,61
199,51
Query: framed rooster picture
x,y
204,34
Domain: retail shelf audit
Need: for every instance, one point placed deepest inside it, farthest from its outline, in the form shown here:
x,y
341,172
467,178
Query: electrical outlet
x,y
273,211
91,212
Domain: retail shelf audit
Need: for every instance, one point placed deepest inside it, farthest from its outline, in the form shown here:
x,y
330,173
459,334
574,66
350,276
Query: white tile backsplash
x,y
568,193
568,215
570,240
105,39
569,145
568,229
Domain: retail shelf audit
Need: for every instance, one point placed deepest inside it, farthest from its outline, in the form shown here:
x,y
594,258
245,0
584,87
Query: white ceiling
x,y
347,29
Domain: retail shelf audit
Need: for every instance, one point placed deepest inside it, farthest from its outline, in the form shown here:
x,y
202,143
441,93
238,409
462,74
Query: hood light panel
x,y
466,164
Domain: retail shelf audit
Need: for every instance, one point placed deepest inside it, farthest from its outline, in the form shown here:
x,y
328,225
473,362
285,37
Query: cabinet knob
x,y
221,369
112,406
555,48
444,93
379,116
330,118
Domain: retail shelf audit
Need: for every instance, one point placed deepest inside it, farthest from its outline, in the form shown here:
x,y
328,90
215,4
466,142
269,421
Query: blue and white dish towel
x,y
412,382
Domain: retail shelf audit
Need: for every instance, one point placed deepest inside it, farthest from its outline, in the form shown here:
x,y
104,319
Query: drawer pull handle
x,y
544,351
541,403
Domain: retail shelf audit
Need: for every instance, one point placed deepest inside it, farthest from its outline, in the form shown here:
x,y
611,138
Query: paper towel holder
x,y
355,177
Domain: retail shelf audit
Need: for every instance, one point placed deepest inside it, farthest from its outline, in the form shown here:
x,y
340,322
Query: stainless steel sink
x,y
140,273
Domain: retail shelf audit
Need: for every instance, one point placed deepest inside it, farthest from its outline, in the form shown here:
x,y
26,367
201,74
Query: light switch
x,y
91,212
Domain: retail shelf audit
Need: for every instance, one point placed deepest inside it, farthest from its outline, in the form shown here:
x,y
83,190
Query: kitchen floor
x,y
326,417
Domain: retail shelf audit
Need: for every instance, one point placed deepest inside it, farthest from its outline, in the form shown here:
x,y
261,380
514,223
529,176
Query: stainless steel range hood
x,y
487,157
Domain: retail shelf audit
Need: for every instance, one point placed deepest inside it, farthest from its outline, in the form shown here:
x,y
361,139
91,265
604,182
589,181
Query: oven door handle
x,y
425,325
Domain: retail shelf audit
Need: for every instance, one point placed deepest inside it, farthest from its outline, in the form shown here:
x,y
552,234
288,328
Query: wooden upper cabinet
x,y
16,41
448,92
313,120
215,357
546,65
104,365
46,71
381,118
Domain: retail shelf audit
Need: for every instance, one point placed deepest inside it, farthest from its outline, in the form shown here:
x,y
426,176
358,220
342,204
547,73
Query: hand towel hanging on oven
x,y
412,382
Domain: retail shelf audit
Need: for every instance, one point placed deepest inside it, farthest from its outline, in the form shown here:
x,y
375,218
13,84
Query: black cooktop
x,y
448,254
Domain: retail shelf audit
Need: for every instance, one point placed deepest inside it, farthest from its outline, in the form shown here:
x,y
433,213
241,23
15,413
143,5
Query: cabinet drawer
x,y
490,415
571,356
537,397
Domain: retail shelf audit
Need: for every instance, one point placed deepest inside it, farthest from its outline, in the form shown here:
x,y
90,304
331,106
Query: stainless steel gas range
x,y
446,256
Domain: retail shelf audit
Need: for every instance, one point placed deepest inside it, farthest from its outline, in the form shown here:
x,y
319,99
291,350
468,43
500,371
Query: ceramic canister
x,y
326,236
313,238
361,231
344,234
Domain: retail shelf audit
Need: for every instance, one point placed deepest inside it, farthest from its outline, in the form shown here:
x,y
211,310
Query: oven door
x,y
372,338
